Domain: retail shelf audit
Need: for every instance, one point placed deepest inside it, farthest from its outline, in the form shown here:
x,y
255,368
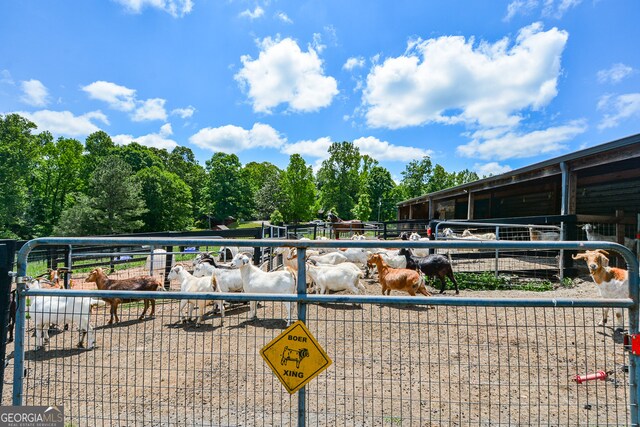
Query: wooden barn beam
x,y
617,155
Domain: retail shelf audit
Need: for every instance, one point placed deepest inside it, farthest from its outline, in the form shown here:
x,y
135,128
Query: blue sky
x,y
484,85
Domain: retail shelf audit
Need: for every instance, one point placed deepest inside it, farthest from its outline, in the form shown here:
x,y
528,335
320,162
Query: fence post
x,y
7,253
67,263
168,262
18,352
634,329
302,315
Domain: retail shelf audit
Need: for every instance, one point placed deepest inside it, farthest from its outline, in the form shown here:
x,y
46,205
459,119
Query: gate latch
x,y
632,344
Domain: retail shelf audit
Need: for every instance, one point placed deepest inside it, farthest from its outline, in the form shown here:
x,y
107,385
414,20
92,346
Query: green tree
x,y
416,177
260,175
139,157
19,155
183,163
276,217
362,210
382,192
114,207
168,200
97,146
339,178
299,189
270,197
57,177
228,192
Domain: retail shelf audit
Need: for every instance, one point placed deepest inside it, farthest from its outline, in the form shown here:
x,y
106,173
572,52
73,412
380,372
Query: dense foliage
x,y
67,187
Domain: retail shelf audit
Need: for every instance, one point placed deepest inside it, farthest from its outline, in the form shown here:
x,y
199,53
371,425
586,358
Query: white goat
x,y
335,278
422,252
47,310
357,236
330,258
229,280
393,261
257,281
189,283
537,235
594,236
467,234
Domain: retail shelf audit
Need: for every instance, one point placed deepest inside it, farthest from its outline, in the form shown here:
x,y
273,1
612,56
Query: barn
x,y
598,185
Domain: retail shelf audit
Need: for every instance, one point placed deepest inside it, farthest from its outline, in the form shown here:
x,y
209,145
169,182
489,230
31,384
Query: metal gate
x,y
397,360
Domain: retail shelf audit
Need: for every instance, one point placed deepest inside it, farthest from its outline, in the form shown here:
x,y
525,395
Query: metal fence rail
x,y
397,360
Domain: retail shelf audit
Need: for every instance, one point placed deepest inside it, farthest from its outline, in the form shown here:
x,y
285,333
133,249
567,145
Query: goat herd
x,y
330,270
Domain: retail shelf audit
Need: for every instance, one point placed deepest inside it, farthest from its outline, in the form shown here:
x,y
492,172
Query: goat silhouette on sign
x,y
294,356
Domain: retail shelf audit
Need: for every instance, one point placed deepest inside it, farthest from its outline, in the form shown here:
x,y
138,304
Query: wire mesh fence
x,y
521,267
477,360
392,365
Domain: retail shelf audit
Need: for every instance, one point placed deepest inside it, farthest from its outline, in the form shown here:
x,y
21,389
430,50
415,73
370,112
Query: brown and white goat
x,y
398,279
612,282
143,283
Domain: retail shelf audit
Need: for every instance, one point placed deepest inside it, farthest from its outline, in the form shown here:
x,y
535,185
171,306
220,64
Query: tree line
x,y
66,188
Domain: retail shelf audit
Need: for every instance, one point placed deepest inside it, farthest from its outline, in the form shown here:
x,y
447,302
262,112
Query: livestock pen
x,y
478,359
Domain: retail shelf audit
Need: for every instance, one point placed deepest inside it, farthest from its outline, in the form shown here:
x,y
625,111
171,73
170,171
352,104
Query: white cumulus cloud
x,y
122,98
233,139
384,151
284,74
615,74
311,148
175,8
491,169
372,146
453,80
618,108
118,97
151,109
252,14
353,62
158,140
65,123
184,113
508,144
34,93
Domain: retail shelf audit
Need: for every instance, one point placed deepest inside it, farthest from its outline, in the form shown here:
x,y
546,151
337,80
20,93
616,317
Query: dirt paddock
x,y
392,365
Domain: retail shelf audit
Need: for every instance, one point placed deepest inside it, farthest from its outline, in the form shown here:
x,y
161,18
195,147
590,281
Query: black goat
x,y
431,266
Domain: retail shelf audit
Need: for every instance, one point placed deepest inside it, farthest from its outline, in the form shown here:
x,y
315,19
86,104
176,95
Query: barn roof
x,y
620,149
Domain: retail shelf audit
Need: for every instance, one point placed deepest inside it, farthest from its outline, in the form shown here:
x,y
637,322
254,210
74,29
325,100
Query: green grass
x,y
245,224
487,281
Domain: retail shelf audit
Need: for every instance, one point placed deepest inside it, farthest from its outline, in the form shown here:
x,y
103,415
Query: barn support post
x,y
302,315
168,262
7,253
68,252
564,201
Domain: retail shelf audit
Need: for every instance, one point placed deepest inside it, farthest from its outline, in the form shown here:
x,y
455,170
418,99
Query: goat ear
x,y
579,256
604,260
602,251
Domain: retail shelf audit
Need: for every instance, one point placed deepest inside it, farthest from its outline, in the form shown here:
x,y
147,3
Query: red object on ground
x,y
600,375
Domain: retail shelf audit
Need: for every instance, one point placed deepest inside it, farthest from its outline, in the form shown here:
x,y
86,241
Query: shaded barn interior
x,y
602,181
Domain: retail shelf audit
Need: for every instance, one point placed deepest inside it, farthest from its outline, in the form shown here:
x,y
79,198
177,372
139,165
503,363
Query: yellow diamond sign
x,y
295,357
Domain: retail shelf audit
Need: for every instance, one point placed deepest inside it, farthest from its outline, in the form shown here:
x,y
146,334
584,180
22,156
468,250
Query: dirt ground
x,y
392,365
